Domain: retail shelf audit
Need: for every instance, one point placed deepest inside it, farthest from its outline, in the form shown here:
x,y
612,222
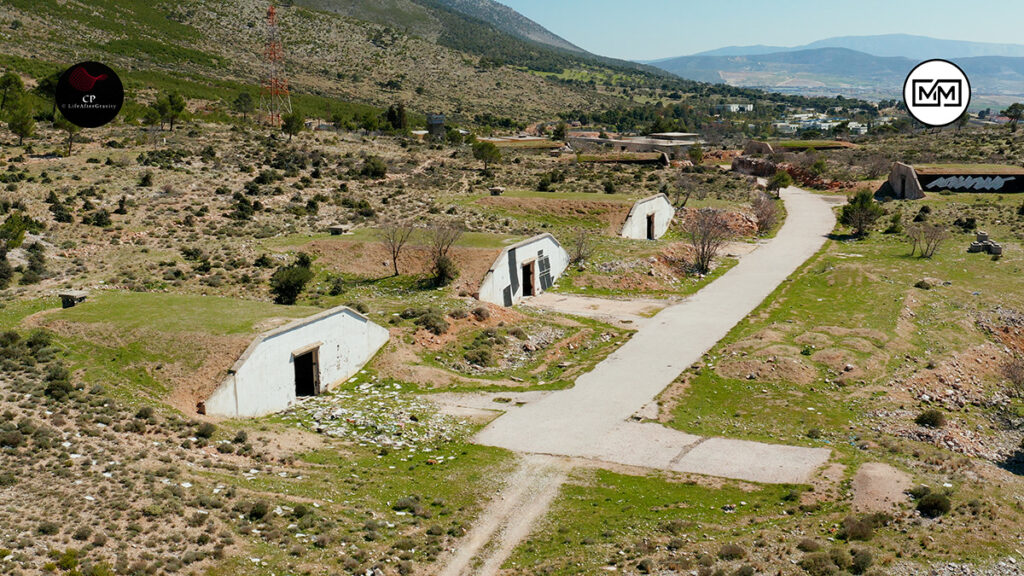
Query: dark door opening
x,y
650,227
307,374
528,279
903,186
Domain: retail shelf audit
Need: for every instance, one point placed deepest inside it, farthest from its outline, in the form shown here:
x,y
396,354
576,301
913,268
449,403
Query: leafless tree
x,y
442,238
915,234
1013,369
395,235
933,236
707,230
582,245
766,210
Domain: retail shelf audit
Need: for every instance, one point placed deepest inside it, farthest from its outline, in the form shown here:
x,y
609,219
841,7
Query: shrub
x,y
48,528
205,430
289,281
731,552
818,564
481,313
12,439
933,505
481,356
861,212
931,418
259,510
862,560
445,271
808,545
857,529
7,479
433,321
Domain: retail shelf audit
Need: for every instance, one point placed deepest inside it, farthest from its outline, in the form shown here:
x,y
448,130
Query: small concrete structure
x,y
435,126
675,145
524,269
911,182
984,244
338,230
496,190
304,358
649,218
71,298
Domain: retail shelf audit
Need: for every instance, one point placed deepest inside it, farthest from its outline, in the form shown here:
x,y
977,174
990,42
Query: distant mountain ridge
x,y
854,65
511,22
885,45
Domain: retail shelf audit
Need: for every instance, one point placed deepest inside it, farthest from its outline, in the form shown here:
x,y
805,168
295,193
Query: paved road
x,y
592,419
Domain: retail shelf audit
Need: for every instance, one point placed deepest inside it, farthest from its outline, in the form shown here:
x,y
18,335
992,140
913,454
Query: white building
x,y
304,358
524,269
649,218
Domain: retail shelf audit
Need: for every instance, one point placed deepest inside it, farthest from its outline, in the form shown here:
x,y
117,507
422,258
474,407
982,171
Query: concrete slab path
x,y
592,419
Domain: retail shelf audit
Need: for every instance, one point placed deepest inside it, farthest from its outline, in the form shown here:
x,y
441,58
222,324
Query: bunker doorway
x,y
650,227
528,277
307,373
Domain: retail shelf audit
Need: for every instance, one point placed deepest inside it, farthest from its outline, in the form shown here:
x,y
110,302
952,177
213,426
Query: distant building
x,y
435,126
673,144
734,108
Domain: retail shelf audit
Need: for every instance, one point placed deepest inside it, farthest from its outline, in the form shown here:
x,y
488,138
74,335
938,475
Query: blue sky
x,y
651,29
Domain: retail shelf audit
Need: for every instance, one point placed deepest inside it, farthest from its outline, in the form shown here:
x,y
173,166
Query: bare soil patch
x,y
879,487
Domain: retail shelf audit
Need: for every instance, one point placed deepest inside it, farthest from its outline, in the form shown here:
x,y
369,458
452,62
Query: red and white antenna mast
x,y
275,99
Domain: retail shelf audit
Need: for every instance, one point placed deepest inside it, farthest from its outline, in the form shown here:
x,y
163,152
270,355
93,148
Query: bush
x,y
933,505
205,430
445,271
862,560
434,322
861,212
259,510
48,528
931,418
481,356
857,529
12,439
374,167
808,545
481,313
731,552
818,564
289,281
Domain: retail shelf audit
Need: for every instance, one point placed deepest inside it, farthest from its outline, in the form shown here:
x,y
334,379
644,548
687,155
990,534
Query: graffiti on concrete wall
x,y
980,183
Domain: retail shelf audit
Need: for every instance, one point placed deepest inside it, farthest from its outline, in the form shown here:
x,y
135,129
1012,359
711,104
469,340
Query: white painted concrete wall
x,y
500,276
636,223
263,379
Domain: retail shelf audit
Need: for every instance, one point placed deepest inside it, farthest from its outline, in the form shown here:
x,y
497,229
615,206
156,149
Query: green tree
x,y
395,116
861,212
487,153
11,84
696,154
289,281
47,88
962,121
170,108
781,179
560,132
64,125
1015,112
292,124
244,105
22,124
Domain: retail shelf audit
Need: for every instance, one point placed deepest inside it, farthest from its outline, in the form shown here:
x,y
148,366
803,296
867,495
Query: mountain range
x,y
862,66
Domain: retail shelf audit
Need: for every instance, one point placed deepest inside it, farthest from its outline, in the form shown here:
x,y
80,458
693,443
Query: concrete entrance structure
x,y
649,219
911,182
524,269
304,358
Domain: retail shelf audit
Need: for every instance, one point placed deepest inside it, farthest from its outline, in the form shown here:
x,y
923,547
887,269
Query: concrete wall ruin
x,y
904,182
524,269
264,379
649,218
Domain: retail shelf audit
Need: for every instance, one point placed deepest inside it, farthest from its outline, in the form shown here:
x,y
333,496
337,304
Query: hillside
x,y
347,50
508,20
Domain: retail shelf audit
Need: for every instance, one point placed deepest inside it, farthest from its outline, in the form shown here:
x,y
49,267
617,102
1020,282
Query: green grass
x,y
177,312
600,513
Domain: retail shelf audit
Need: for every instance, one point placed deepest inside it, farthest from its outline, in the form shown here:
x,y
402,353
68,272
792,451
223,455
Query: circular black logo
x,y
89,94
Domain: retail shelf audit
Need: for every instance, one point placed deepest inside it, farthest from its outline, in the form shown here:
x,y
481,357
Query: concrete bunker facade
x,y
304,358
911,182
524,269
649,218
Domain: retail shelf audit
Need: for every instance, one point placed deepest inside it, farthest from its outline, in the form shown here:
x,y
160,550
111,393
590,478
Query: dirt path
x,y
509,518
879,487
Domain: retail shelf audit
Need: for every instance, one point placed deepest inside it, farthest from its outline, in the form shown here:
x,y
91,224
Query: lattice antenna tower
x,y
275,99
